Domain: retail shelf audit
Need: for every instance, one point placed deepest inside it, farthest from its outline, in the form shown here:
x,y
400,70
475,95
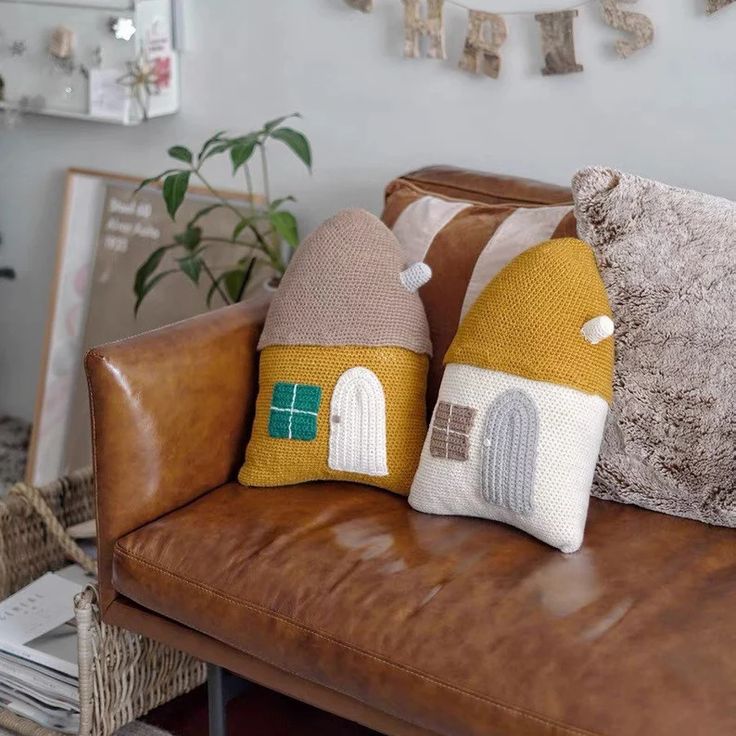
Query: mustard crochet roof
x,y
342,287
527,320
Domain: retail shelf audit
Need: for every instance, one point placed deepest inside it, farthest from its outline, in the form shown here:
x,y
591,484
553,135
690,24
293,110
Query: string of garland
x,y
487,32
576,6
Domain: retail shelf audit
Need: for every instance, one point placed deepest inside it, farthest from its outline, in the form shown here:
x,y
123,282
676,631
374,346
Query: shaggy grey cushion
x,y
668,258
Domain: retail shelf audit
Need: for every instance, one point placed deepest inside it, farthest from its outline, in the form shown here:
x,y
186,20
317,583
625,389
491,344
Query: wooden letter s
x,y
637,24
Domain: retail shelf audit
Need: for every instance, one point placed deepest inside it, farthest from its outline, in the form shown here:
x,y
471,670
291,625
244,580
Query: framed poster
x,y
106,233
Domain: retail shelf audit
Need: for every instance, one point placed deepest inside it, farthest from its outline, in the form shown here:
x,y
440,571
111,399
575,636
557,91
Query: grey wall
x,y
669,113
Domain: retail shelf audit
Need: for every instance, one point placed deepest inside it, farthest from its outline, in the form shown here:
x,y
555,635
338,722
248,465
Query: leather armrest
x,y
170,412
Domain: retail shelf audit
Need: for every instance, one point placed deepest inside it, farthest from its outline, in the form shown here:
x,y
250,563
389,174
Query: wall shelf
x,y
84,86
69,114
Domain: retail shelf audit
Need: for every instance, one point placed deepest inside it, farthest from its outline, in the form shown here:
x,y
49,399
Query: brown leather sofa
x,y
343,597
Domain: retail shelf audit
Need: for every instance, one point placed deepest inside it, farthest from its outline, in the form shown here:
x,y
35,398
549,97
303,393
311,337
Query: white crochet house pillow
x,y
517,427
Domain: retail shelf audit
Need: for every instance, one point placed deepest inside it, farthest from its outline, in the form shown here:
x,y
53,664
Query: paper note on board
x,y
108,99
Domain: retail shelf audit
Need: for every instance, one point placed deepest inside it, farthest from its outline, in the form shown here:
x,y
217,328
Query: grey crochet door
x,y
510,438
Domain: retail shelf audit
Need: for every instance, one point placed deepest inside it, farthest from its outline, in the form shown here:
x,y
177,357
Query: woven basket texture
x,y
27,548
122,675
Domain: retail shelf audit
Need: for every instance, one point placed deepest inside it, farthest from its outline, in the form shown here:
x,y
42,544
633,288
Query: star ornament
x,y
122,28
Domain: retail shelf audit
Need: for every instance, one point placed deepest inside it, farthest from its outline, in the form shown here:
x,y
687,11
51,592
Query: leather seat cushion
x,y
460,626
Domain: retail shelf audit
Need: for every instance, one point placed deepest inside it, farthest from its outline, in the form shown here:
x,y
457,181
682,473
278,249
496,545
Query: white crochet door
x,y
358,424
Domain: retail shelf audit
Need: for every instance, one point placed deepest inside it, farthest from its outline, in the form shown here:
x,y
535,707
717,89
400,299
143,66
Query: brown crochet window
x,y
451,430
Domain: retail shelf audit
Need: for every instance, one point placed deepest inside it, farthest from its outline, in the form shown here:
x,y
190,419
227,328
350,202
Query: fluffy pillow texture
x,y
343,363
668,260
523,403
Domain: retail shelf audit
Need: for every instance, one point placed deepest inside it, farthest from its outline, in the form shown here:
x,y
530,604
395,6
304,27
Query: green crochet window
x,y
294,408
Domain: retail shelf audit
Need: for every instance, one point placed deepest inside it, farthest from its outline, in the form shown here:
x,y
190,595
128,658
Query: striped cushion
x,y
465,243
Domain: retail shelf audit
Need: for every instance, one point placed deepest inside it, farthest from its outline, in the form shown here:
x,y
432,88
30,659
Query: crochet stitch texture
x,y
527,321
343,365
539,389
343,287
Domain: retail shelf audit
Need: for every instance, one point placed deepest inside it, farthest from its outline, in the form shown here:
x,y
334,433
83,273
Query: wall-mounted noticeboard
x,y
79,58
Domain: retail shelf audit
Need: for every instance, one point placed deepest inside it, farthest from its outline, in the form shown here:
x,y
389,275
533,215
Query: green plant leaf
x,y
153,179
190,238
242,150
191,266
297,142
219,148
284,223
147,288
234,281
175,189
278,202
271,124
239,228
181,153
147,268
204,211
209,142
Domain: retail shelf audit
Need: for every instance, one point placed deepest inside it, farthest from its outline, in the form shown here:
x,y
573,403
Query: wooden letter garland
x,y
558,44
486,34
638,24
366,6
715,5
415,26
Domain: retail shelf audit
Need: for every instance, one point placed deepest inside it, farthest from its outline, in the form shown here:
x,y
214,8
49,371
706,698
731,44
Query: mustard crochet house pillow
x,y
518,424
343,363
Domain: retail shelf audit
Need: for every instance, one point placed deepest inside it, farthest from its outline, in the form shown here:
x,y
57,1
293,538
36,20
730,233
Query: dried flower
x,y
142,79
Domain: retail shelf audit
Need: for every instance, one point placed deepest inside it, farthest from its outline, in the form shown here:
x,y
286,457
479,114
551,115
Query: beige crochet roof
x,y
342,287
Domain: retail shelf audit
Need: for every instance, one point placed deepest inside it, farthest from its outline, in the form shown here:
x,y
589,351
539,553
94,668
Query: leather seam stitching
x,y
283,668
93,423
280,617
420,184
154,331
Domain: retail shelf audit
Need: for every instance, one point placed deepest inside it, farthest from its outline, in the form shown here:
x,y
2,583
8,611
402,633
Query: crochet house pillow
x,y
518,424
343,363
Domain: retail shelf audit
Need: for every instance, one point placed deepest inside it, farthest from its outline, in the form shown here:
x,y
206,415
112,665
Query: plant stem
x,y
264,168
246,279
276,240
229,241
276,260
216,194
215,283
249,185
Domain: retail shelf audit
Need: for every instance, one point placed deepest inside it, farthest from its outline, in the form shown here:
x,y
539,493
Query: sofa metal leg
x,y
216,700
222,687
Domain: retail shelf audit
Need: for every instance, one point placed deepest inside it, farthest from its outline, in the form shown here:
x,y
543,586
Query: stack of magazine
x,y
39,674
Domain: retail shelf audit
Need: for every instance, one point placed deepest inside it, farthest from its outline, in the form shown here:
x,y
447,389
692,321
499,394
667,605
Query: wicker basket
x,y
27,548
122,675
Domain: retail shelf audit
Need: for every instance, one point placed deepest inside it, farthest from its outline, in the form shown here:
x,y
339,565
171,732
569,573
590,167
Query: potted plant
x,y
264,230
